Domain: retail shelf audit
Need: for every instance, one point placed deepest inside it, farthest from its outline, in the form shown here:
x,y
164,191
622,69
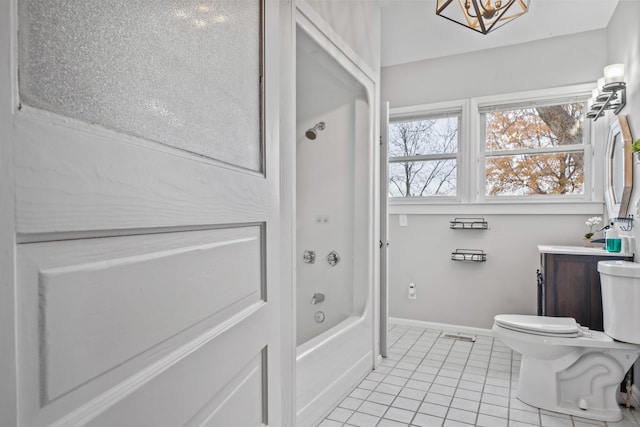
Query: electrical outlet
x,y
412,291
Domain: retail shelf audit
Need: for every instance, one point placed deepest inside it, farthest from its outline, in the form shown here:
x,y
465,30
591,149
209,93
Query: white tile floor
x,y
430,380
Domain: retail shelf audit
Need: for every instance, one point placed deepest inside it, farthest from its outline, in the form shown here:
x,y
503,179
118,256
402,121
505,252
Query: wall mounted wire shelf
x,y
469,224
626,223
469,255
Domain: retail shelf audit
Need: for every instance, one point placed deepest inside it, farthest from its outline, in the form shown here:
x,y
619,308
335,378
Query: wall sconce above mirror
x,y
611,93
618,168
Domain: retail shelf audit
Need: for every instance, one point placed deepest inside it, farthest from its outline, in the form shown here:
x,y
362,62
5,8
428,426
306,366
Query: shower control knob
x,y
319,316
333,258
309,257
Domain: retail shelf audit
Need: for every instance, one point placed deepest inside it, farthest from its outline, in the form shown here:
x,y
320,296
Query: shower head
x,y
313,132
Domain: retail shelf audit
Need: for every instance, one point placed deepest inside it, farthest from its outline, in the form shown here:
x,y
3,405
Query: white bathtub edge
x,y
328,335
331,396
440,326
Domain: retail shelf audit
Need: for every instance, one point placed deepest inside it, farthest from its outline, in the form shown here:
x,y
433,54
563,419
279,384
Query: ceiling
x,y
411,31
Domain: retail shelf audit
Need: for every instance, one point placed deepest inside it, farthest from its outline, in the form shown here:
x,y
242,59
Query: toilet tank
x,y
620,283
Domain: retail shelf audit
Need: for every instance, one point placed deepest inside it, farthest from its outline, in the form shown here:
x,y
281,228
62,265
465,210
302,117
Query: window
x,y
497,153
534,150
423,156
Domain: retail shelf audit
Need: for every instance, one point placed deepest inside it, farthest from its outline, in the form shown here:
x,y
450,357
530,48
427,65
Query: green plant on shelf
x,y
635,147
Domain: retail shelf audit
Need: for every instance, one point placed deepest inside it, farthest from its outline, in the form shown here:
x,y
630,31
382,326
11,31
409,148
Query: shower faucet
x,y
317,298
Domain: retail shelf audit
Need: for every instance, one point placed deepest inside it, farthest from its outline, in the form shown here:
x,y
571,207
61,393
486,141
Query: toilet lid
x,y
540,325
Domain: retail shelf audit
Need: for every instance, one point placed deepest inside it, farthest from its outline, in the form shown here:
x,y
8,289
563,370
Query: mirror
x,y
618,168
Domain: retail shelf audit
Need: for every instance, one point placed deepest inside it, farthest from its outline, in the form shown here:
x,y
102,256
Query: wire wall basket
x,y
469,224
469,255
626,223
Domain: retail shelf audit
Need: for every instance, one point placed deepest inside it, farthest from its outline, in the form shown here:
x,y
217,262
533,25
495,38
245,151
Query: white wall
x,y
623,36
471,294
552,62
624,46
357,23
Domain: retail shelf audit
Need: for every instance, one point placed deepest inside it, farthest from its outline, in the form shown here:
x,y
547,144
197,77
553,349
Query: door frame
x,y
8,105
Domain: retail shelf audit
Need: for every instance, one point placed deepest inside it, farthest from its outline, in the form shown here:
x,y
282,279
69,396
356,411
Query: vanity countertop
x,y
579,250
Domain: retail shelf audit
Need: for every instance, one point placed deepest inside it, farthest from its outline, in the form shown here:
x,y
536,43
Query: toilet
x,y
570,369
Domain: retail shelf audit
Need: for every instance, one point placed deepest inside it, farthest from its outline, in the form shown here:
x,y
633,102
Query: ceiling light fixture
x,y
611,93
482,18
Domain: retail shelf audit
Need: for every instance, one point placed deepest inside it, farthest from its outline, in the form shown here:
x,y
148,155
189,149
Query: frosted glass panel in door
x,y
184,73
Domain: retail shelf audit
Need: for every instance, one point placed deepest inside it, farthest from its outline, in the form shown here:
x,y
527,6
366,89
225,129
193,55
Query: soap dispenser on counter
x,y
613,242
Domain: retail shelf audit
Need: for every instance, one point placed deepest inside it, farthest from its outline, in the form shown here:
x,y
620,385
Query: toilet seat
x,y
565,327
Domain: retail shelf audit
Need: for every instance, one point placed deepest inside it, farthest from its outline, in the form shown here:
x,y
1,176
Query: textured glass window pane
x,y
543,174
422,179
419,137
184,73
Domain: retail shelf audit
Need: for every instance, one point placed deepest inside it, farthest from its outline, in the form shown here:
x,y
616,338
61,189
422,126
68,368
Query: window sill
x,y
420,207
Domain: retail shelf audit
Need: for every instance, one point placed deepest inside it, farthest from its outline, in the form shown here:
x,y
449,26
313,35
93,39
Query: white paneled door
x,y
140,202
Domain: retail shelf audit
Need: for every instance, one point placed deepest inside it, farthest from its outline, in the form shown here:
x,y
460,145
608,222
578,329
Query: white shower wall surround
x,y
326,190
334,172
326,223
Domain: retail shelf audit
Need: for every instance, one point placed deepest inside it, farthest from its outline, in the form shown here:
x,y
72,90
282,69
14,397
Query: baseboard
x,y
440,326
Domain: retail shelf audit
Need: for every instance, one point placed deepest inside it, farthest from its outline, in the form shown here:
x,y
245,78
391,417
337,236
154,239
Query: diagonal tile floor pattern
x,y
433,380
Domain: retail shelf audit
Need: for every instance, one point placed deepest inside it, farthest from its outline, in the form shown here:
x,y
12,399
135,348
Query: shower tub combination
x,y
335,232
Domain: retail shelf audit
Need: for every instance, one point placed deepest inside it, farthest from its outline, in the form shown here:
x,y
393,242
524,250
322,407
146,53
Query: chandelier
x,y
480,17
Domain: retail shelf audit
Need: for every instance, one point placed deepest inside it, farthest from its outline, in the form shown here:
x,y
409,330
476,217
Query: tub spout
x,y
317,298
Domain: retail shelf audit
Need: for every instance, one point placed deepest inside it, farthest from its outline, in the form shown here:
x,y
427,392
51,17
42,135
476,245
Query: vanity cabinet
x,y
569,284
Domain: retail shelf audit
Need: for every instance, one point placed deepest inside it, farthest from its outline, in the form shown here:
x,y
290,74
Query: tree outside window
x,y
423,157
535,151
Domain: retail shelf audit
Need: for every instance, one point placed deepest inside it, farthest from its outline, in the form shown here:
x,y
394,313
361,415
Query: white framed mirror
x,y
618,168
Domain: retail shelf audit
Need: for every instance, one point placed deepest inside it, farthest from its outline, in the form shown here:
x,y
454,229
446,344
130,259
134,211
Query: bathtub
x,y
329,365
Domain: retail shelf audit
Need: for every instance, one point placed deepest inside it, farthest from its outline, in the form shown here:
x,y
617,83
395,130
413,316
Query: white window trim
x,y
547,96
460,107
470,184
417,207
